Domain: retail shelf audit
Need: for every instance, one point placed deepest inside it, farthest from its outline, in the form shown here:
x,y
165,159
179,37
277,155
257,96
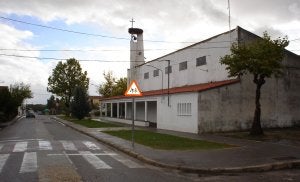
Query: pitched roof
x,y
188,88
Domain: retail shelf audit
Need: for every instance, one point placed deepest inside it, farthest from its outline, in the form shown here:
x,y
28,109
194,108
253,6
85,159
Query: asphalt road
x,y
42,149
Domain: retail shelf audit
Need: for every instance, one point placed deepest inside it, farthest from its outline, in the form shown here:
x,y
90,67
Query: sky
x,y
168,25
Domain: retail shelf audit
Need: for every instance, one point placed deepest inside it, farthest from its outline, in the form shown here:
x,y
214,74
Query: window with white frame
x,y
184,109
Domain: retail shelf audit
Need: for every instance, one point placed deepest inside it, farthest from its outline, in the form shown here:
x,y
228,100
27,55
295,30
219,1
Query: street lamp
x,y
162,77
168,69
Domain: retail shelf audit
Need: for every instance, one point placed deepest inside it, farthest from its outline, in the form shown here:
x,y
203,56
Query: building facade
x,y
189,90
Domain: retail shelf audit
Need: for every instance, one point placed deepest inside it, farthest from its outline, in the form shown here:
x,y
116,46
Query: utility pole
x,y
168,82
168,70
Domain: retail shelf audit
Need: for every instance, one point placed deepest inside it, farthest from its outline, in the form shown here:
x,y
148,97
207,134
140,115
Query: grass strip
x,y
90,123
167,142
269,135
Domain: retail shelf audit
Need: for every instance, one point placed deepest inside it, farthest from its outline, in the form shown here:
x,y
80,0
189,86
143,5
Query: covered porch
x,y
145,111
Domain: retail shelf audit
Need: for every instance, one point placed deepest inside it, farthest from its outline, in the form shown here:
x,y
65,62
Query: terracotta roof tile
x,y
188,88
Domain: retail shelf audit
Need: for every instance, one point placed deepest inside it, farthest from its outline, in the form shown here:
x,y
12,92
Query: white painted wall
x,y
167,116
213,49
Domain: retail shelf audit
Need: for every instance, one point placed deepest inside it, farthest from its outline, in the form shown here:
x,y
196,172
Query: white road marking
x,y
20,140
3,159
61,123
45,145
68,145
70,161
20,147
91,145
127,162
110,154
1,146
94,160
29,163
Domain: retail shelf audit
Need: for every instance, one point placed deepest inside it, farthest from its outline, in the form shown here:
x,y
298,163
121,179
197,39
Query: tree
x,y
37,107
80,105
262,58
51,104
11,98
20,92
7,105
112,86
65,77
120,87
106,89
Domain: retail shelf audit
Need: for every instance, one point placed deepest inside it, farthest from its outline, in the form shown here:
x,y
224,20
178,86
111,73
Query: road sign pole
x,y
132,128
133,91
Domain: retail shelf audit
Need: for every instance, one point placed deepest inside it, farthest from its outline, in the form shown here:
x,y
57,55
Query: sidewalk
x,y
249,156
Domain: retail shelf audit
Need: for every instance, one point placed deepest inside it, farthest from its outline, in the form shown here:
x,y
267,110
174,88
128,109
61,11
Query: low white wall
x,y
136,123
168,118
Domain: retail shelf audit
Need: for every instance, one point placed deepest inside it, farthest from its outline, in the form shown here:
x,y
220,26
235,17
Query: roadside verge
x,y
247,168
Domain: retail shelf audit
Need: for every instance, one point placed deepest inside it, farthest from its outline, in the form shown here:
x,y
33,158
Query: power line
x,y
100,50
57,59
63,30
103,36
90,34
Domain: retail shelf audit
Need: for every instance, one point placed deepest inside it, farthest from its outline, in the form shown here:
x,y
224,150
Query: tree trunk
x,y
256,126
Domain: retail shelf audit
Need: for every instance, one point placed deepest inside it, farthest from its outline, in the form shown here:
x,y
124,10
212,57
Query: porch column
x,y
105,109
100,109
146,111
118,112
111,109
125,116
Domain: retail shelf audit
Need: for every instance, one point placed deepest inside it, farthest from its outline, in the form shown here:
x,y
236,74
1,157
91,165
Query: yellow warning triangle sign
x,y
133,90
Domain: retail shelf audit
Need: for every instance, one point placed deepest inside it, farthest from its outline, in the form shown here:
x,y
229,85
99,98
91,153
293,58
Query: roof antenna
x,y
229,19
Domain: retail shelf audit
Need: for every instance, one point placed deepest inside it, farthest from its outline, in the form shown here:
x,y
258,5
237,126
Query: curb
x,y
255,168
9,123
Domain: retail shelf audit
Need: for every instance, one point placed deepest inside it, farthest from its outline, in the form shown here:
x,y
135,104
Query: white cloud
x,y
17,69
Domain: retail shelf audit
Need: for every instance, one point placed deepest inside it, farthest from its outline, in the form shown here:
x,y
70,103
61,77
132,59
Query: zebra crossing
x,y
88,150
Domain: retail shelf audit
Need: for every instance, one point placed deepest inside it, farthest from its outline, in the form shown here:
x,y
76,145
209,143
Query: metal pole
x,y
132,129
162,82
168,83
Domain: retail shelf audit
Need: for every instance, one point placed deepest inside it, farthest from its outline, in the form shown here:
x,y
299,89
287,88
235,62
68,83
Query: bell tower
x,y
136,52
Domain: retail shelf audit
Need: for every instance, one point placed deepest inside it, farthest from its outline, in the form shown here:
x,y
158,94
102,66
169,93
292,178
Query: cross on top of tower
x,y
132,22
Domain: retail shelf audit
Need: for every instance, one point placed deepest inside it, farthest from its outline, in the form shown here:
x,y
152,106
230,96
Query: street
x,y
42,149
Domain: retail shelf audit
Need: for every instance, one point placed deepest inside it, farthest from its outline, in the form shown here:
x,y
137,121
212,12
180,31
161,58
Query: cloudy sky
x,y
23,45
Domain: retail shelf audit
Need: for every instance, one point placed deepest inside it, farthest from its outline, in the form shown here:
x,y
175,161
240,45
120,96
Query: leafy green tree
x,y
262,58
65,78
11,98
37,107
20,92
106,89
80,106
120,87
7,105
112,86
51,104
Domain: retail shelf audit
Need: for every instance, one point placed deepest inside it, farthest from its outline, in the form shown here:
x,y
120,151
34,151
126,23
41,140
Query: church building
x,y
189,90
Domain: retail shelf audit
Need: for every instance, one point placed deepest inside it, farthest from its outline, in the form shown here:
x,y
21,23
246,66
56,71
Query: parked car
x,y
30,114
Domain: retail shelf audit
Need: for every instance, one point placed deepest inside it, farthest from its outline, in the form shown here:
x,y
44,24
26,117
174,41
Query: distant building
x,y
189,90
